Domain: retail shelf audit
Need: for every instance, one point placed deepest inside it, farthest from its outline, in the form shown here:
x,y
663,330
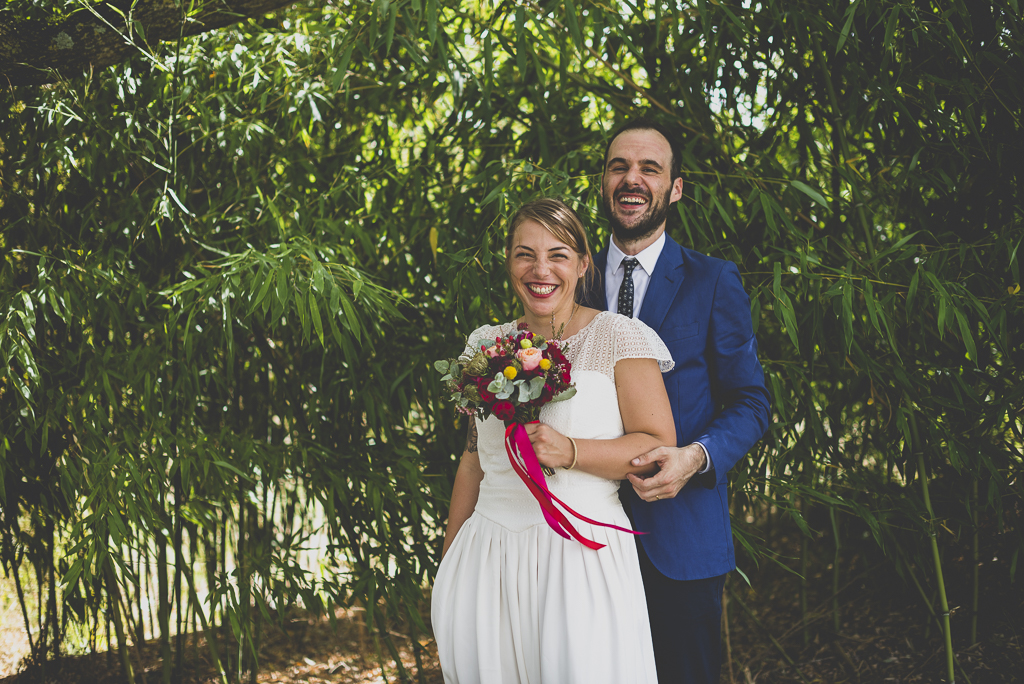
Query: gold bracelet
x,y
575,454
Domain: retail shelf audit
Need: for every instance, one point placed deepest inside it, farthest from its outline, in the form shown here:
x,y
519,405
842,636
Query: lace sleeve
x,y
634,339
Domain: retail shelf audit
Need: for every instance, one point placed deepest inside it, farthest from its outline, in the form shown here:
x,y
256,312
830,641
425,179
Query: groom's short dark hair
x,y
648,123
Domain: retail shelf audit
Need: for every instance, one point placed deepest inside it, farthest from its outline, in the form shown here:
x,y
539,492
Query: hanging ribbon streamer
x,y
524,461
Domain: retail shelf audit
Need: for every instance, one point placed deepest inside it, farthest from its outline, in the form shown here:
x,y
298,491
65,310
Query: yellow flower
x,y
544,364
510,372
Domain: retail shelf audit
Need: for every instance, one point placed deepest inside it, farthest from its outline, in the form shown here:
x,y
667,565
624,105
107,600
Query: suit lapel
x,y
665,282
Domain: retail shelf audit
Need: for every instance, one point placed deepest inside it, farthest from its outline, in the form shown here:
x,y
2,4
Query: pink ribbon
x,y
524,461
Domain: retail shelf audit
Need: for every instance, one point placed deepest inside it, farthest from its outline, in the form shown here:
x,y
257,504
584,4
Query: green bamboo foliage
x,y
228,263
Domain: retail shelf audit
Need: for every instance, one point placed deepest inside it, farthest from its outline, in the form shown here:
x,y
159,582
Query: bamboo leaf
x,y
572,23
869,301
890,27
810,192
851,11
342,69
912,293
314,312
521,49
965,333
847,315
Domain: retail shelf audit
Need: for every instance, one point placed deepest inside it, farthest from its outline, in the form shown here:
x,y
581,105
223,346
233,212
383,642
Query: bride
x,y
513,601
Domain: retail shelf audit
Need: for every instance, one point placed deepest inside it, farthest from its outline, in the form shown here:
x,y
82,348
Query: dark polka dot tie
x,y
626,289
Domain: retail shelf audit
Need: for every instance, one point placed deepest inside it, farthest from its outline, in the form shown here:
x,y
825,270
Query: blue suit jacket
x,y
697,305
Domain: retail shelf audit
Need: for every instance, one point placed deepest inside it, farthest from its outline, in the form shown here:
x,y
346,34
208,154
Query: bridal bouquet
x,y
511,380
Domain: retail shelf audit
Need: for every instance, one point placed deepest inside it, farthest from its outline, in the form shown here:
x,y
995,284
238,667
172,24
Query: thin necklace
x,y
558,335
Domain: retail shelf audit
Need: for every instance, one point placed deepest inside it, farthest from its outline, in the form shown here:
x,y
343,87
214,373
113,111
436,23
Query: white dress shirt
x,y
613,273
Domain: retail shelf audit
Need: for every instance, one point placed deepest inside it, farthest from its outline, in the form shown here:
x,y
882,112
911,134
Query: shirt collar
x,y
648,258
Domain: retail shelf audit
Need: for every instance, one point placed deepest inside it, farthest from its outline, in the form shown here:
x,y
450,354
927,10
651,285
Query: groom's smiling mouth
x,y
632,199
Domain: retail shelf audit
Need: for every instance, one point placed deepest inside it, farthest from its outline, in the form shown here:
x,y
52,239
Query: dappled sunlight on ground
x,y
305,650
885,632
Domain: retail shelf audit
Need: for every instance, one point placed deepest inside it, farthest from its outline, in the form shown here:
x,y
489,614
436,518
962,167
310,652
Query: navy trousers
x,y
686,624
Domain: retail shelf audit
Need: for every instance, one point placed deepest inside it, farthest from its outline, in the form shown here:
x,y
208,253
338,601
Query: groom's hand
x,y
676,465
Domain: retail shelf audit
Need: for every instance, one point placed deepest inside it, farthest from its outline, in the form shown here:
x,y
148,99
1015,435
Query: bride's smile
x,y
544,273
541,290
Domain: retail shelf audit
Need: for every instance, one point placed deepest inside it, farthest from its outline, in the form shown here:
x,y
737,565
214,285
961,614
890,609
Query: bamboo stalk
x,y
110,646
930,607
193,548
211,639
242,563
805,628
933,540
142,591
725,625
163,609
976,562
835,570
179,644
114,608
136,604
52,620
149,591
224,626
24,609
256,622
125,602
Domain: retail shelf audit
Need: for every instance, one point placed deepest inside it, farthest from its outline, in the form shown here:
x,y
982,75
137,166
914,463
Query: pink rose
x,y
492,351
530,358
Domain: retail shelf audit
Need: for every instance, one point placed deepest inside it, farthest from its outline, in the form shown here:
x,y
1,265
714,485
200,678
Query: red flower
x,y
504,410
485,394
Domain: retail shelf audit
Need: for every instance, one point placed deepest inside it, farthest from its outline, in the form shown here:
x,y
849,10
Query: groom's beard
x,y
657,212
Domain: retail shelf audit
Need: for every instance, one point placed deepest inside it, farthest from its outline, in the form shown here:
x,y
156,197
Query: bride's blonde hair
x,y
561,221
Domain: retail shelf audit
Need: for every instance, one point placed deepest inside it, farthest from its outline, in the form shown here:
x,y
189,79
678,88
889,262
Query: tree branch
x,y
34,52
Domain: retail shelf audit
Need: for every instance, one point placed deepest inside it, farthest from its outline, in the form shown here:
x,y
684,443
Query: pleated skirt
x,y
524,605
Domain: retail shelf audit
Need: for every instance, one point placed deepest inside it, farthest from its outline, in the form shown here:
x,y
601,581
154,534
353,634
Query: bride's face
x,y
544,271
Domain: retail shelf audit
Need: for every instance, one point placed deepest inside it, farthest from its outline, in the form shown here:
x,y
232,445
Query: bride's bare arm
x,y
466,488
646,417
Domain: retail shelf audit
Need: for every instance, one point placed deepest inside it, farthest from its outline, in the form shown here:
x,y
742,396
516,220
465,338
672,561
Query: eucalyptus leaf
x,y
568,393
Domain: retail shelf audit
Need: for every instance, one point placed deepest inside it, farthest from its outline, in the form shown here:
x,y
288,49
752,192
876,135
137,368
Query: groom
x,y
697,305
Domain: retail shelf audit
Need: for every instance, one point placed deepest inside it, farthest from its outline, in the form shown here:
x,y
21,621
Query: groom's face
x,y
637,185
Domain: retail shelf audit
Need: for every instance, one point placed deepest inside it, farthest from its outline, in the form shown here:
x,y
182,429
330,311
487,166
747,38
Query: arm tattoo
x,y
471,436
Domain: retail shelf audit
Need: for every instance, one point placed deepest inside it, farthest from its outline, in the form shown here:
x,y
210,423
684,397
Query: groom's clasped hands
x,y
676,465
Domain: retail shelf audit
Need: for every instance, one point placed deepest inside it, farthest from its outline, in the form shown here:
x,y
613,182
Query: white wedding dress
x,y
514,602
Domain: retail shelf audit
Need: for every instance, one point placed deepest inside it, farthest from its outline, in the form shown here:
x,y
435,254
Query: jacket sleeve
x,y
737,379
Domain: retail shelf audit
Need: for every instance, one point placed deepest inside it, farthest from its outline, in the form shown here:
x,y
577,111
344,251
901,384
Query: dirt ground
x,y
885,635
